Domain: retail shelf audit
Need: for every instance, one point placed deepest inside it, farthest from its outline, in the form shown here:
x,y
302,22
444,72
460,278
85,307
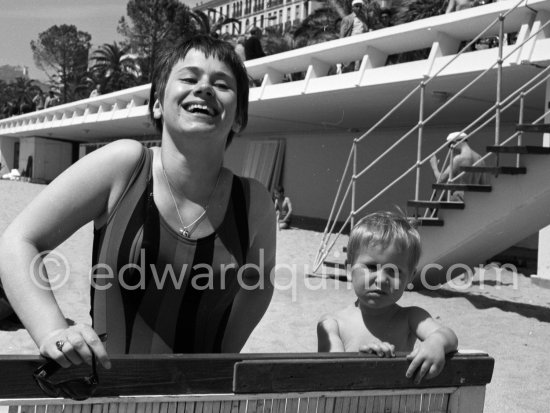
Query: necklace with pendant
x,y
187,230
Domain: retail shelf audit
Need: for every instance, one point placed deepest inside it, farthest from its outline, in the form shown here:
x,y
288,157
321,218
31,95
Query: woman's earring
x,y
157,110
236,128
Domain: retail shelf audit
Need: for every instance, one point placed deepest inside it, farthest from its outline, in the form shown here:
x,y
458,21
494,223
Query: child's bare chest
x,y
354,334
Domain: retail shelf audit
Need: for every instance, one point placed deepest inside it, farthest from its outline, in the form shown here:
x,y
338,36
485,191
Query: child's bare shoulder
x,y
339,317
414,313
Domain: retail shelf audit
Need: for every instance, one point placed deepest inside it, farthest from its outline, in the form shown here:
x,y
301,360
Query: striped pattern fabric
x,y
157,292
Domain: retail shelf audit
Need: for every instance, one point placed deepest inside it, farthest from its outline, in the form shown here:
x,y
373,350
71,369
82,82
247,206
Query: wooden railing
x,y
242,383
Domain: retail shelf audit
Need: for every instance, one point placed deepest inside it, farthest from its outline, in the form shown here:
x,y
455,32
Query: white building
x,y
324,120
280,14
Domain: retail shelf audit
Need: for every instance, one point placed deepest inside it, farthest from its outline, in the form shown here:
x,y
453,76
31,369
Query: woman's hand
x,y
381,349
74,345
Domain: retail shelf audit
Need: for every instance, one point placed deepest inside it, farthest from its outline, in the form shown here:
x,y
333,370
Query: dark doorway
x,y
16,155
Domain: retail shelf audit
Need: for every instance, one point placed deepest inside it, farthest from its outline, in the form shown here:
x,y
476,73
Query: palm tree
x,y
274,42
114,68
206,25
3,99
320,26
21,92
411,10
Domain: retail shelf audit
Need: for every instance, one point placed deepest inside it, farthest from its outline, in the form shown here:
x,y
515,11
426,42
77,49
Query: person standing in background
x,y
38,100
253,45
239,48
96,91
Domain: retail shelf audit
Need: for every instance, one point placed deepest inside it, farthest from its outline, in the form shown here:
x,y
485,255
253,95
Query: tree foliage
x,y
320,26
152,22
274,42
411,10
203,23
62,52
114,68
16,96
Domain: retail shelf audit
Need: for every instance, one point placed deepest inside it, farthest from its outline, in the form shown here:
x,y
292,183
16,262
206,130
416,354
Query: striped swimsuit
x,y
157,292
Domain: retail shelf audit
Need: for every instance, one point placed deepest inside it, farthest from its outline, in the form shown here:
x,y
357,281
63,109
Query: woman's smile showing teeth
x,y
198,108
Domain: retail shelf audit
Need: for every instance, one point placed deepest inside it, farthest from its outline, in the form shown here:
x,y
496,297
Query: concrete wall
x,y
314,164
26,150
6,153
50,157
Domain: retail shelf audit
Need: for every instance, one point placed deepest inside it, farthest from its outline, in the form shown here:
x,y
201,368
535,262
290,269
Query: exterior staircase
x,y
459,236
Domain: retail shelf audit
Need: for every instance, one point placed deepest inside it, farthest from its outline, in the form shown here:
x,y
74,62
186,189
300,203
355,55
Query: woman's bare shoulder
x,y
121,153
258,195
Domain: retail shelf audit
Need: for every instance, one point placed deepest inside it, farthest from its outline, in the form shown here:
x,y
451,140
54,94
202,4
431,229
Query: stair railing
x,y
506,104
497,108
517,95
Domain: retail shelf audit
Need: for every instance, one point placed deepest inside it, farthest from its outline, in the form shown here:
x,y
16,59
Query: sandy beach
x,y
507,318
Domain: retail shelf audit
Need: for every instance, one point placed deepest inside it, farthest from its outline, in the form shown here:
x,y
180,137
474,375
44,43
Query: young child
x,y
383,251
283,207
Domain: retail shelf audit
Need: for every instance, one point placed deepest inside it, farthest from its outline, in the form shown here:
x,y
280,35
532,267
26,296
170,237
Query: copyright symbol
x,y
49,270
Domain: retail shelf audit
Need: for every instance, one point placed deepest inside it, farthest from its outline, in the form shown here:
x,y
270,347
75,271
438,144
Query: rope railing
x,y
496,110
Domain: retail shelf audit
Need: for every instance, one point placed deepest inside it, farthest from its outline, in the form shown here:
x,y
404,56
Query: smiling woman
x,y
183,249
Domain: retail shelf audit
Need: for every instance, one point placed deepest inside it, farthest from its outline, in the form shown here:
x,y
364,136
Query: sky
x,y
22,20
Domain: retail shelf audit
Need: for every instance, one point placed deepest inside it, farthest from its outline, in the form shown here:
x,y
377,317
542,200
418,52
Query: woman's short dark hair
x,y
222,50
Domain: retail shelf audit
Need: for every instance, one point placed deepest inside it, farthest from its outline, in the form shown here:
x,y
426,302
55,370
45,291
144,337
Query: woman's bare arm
x,y
86,191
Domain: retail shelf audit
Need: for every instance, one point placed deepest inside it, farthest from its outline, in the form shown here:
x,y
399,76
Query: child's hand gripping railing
x,y
250,383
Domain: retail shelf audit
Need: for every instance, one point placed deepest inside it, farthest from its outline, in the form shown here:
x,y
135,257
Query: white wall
x,y
50,157
313,166
6,153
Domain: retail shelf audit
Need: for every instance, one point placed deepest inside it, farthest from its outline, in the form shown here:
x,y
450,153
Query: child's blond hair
x,y
384,229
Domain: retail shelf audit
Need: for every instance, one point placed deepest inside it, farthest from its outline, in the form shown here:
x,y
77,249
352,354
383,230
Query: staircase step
x,y
429,222
496,170
335,262
534,150
436,204
530,127
462,187
330,272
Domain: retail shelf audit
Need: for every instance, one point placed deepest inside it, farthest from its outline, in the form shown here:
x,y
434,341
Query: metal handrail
x,y
437,111
334,206
498,107
515,134
511,137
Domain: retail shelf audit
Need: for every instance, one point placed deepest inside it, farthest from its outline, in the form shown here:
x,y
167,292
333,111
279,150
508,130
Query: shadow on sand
x,y
11,323
482,302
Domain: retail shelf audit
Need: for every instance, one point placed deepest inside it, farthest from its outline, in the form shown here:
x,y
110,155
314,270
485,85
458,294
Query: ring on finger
x,y
59,345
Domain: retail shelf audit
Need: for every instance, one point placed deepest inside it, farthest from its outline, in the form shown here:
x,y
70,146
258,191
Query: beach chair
x,y
254,383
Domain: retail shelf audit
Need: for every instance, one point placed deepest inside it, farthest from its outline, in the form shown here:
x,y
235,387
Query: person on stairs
x,y
461,155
